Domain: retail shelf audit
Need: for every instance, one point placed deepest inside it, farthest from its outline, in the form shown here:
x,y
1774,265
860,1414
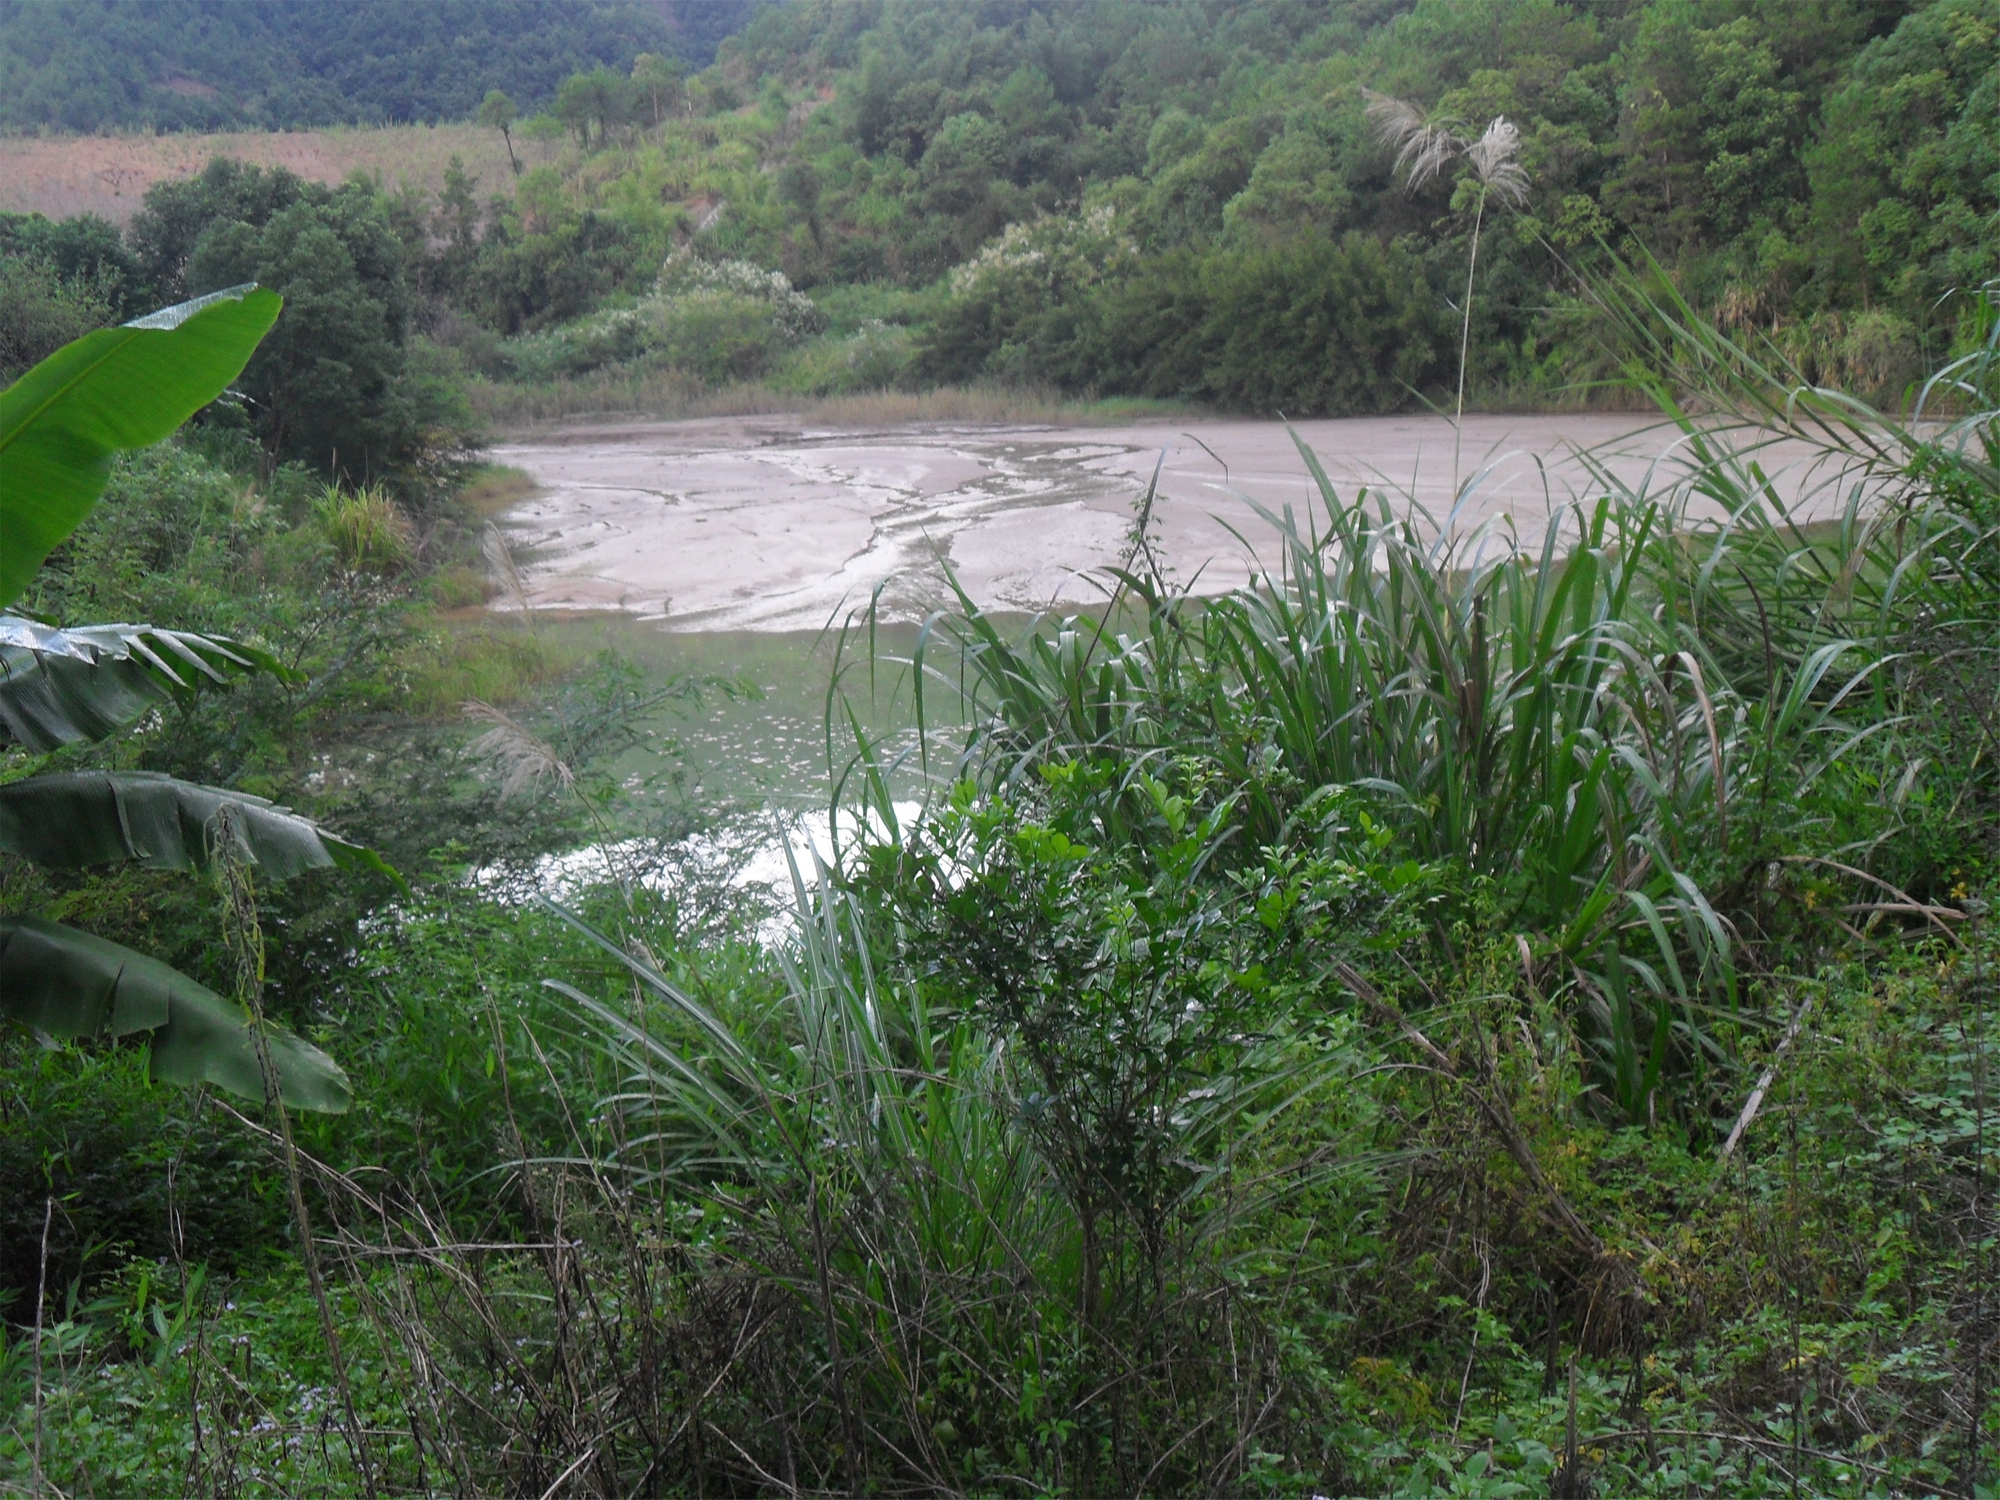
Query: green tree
x,y
86,253
497,112
328,384
456,225
600,98
1313,327
333,386
1906,174
657,88
176,214
963,176
1296,188
40,311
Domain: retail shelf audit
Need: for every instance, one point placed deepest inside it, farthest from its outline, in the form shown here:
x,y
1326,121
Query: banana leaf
x,y
58,687
117,388
105,817
74,984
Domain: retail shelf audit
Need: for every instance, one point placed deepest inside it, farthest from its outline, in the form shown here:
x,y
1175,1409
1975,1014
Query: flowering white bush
x,y
721,319
1047,255
795,314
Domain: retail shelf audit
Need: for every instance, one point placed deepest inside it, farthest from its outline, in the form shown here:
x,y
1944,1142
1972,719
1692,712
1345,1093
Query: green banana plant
x,y
60,424
61,686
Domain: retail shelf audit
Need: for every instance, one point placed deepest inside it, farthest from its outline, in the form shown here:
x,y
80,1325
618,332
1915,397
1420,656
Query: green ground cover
x,y
1460,1018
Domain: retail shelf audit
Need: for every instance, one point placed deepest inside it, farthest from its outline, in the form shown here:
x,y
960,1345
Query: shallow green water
x,y
771,748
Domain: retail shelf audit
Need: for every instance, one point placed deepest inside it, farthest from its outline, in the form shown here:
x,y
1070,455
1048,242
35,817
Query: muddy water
x,y
727,545
764,524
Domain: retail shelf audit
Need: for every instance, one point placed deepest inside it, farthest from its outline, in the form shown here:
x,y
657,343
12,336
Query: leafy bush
x,y
875,356
1324,328
1015,308
721,321
59,280
40,312
133,1170
536,271
1308,327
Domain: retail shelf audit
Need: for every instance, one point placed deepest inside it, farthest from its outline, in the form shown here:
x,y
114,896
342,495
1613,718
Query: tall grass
x,y
368,530
1628,724
895,1193
930,1244
805,1244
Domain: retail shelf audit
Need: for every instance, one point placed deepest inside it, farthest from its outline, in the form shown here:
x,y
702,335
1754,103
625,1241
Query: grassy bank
x,y
665,396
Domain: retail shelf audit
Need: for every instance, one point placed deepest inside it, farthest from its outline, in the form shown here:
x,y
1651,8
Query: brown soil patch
x,y
62,176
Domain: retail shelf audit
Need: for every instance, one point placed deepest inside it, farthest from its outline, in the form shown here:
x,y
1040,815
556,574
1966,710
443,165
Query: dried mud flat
x,y
765,523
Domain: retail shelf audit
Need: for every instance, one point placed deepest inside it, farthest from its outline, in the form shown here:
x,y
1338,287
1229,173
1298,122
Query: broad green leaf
x,y
104,817
58,687
75,984
117,388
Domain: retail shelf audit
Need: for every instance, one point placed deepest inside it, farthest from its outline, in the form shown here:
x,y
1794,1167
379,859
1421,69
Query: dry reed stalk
x,y
244,938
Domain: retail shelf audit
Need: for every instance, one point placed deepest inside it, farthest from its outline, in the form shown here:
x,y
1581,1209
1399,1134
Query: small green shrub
x,y
875,356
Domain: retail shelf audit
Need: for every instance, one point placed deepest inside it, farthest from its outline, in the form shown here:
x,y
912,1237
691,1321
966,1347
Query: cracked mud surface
x,y
765,524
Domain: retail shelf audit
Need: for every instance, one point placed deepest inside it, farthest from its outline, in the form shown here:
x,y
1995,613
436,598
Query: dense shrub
x,y
532,278
120,1169
1308,326
718,320
40,311
1312,328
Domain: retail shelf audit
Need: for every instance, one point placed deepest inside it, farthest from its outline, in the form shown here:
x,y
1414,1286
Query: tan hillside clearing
x,y
109,174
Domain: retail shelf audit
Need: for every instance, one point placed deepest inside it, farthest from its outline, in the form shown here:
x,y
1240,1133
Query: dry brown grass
x,y
109,174
495,487
665,394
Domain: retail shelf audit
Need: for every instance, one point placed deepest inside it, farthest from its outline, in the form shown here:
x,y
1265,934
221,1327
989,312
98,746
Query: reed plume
x,y
1425,146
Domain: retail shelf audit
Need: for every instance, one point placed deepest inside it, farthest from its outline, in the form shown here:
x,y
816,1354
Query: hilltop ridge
x,y
94,65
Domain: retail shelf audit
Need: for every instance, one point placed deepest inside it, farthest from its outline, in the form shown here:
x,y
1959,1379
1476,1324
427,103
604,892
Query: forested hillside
x,y
1825,171
1190,201
88,65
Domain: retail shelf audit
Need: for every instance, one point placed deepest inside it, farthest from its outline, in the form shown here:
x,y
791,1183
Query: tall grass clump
x,y
1639,730
970,1273
368,530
